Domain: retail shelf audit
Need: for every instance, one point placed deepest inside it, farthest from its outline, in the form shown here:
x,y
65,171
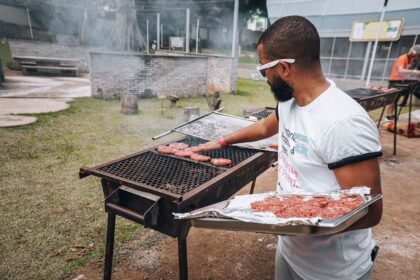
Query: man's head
x,y
414,53
292,37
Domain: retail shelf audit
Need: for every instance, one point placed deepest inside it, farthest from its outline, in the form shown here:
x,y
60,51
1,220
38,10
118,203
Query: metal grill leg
x,y
182,253
109,245
251,191
395,127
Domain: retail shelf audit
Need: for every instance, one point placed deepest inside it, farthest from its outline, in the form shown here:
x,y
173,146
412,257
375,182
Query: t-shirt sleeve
x,y
350,140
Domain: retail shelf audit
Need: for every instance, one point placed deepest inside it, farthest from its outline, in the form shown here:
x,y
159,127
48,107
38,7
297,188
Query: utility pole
x,y
378,31
235,28
29,22
147,36
158,31
161,35
187,31
197,35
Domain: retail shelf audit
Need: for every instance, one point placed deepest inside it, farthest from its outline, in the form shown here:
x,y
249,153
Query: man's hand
x,y
211,145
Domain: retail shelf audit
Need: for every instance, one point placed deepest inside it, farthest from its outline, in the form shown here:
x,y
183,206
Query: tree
x,y
126,35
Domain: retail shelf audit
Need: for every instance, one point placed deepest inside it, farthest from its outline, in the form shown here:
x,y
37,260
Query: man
x,y
405,65
405,62
326,142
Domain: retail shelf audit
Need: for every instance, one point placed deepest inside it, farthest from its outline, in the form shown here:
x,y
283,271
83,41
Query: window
x,y
341,47
326,45
401,46
358,50
341,58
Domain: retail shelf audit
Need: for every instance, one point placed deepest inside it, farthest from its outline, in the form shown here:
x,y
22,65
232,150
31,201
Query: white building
x,y
341,58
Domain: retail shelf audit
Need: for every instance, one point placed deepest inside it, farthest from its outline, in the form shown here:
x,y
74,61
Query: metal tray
x,y
324,227
214,125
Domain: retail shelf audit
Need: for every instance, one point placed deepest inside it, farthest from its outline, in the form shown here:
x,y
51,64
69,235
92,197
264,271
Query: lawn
x,y
52,222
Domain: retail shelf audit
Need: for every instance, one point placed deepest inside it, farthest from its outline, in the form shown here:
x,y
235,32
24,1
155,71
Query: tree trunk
x,y
129,104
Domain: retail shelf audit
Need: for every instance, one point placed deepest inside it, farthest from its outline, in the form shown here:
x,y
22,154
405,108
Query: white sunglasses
x,y
262,69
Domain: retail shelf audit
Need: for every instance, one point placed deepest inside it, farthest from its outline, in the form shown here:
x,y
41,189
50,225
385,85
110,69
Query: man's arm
x,y
364,173
260,130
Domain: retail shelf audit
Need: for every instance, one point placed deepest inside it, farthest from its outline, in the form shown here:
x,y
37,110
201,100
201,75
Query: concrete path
x,y
37,95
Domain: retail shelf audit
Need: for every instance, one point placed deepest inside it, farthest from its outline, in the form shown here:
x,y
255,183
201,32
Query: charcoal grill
x,y
147,187
262,114
372,99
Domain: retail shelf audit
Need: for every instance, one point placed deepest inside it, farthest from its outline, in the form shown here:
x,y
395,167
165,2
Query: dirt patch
x,y
237,255
10,106
9,120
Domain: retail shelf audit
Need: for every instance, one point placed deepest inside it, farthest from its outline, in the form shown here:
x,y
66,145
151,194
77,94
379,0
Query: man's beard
x,y
281,90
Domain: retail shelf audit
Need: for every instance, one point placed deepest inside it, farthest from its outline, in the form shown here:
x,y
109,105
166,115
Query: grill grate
x,y
362,92
262,114
235,154
162,172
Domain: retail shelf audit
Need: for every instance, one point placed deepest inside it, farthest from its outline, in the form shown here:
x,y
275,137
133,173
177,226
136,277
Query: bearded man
x,y
327,142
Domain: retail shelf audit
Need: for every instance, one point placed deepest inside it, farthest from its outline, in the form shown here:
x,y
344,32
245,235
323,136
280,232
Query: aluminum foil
x,y
239,208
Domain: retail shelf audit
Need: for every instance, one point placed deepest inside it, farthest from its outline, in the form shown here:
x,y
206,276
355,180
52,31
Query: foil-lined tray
x,y
235,214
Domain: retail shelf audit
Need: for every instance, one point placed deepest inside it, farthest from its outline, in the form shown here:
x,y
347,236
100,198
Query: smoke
x,y
90,22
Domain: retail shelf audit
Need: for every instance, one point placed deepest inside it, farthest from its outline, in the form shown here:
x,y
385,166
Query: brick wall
x,y
222,70
45,49
116,74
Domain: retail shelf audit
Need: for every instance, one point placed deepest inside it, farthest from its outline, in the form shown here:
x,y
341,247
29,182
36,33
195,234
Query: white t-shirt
x,y
330,132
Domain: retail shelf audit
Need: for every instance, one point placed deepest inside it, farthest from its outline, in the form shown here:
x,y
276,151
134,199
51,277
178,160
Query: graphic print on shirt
x,y
292,143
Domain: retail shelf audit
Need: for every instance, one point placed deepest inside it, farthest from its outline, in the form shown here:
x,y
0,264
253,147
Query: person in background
x,y
405,65
327,142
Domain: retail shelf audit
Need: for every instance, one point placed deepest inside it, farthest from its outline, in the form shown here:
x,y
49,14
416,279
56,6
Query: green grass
x,y
248,60
46,209
5,54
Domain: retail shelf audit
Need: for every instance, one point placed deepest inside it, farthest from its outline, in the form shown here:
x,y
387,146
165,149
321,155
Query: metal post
x,y
197,35
29,22
251,191
182,252
386,62
347,62
147,36
235,27
109,251
394,152
161,35
378,31
82,27
158,31
187,31
331,58
366,60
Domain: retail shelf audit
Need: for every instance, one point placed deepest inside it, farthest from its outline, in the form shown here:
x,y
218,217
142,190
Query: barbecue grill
x,y
262,114
147,187
372,99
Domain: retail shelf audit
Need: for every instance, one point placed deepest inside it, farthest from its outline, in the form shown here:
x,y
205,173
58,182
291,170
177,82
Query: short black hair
x,y
292,37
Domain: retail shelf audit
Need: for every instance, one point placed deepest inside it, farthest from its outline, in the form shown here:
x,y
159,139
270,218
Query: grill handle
x,y
134,205
125,212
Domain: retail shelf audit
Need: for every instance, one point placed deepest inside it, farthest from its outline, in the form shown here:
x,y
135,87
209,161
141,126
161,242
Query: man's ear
x,y
286,68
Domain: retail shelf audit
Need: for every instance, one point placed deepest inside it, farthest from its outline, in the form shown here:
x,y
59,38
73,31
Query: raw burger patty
x,y
220,161
182,153
165,150
199,157
297,206
178,146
